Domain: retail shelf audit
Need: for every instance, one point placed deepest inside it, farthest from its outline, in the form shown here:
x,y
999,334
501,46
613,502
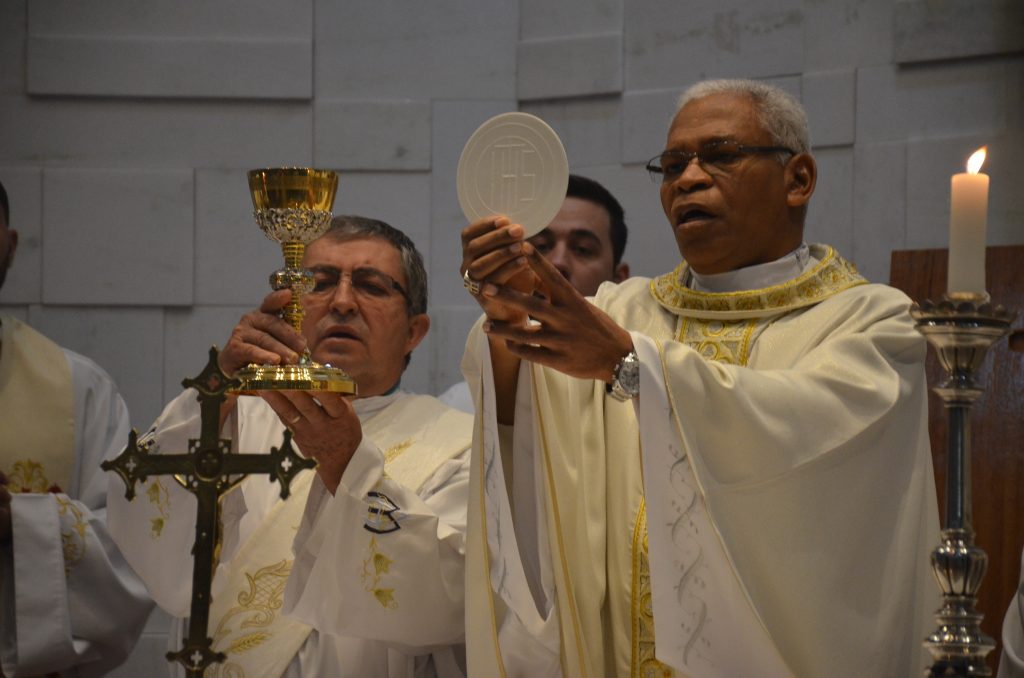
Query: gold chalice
x,y
293,207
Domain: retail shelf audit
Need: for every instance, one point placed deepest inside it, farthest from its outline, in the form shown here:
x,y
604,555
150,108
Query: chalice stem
x,y
293,313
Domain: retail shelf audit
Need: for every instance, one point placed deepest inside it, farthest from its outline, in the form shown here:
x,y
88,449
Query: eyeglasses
x,y
715,158
367,283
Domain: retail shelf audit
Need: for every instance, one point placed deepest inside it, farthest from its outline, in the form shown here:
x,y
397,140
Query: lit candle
x,y
968,214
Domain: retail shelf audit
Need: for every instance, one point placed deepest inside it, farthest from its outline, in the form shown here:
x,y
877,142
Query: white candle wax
x,y
968,215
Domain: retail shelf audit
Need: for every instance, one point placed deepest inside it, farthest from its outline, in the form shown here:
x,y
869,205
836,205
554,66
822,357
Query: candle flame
x,y
976,160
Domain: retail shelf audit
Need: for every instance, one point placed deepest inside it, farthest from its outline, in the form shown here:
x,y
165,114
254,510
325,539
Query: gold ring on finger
x,y
472,285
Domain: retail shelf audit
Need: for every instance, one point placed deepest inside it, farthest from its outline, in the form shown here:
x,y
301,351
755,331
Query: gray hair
x,y
780,114
352,227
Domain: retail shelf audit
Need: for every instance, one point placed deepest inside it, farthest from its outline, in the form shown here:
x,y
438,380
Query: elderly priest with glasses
x,y
723,471
378,531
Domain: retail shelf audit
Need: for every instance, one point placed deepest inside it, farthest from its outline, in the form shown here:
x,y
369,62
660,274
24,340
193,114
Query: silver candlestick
x,y
961,329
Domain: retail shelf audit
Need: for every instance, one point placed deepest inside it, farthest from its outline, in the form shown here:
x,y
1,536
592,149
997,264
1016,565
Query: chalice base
x,y
304,376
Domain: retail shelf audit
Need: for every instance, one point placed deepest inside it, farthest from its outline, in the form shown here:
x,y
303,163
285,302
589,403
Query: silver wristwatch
x,y
625,383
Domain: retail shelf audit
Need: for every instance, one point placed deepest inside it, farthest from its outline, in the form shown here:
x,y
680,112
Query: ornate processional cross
x,y
207,470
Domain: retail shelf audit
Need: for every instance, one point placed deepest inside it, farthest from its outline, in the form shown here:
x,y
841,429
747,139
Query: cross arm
x,y
135,463
282,464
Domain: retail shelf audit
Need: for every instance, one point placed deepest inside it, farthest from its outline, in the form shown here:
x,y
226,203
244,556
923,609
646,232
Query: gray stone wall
x,y
126,128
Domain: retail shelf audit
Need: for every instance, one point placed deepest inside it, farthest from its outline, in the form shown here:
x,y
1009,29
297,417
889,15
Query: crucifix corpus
x,y
208,471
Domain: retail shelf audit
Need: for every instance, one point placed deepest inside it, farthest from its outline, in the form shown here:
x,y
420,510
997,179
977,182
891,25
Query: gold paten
x,y
293,208
302,377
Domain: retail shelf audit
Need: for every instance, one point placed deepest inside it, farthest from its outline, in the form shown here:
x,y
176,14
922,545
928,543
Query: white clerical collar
x,y
364,407
755,277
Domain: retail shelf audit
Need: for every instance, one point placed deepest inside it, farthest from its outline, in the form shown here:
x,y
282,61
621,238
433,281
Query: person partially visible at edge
x,y
1011,661
585,242
723,471
71,605
371,544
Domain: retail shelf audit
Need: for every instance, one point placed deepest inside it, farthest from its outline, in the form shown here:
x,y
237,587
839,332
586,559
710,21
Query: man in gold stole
x,y
723,471
373,541
69,604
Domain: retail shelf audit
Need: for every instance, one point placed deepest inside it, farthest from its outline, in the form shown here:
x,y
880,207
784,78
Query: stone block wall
x,y
126,130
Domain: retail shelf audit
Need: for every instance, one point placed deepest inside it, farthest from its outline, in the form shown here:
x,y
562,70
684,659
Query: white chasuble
x,y
251,618
383,557
245,614
790,504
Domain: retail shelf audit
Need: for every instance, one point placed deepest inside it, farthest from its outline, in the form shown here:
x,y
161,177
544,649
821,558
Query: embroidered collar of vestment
x,y
831,275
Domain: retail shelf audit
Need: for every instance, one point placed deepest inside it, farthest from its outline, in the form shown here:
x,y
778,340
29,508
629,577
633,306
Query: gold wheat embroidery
x,y
161,500
258,606
375,566
393,453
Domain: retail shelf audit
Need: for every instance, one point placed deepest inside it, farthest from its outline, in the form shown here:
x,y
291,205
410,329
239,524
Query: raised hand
x,y
572,335
323,425
262,337
493,251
